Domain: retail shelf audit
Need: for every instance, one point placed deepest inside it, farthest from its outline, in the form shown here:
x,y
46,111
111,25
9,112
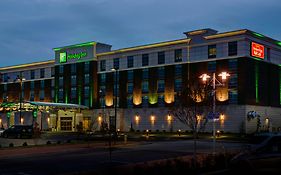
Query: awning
x,y
58,105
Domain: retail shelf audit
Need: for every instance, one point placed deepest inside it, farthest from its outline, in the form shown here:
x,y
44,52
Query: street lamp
x,y
215,82
20,79
115,100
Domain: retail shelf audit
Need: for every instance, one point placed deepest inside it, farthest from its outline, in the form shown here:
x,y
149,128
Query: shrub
x,y
48,142
68,141
11,145
24,144
59,142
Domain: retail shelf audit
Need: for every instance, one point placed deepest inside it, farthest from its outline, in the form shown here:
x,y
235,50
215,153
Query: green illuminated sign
x,y
64,56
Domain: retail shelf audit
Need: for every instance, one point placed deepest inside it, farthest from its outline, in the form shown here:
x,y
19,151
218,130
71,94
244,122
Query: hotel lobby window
x,y
212,51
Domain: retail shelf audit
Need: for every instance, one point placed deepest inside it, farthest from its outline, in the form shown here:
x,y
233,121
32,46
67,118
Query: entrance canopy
x,y
58,105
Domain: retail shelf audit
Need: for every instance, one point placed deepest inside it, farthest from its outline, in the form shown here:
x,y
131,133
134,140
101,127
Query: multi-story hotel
x,y
145,81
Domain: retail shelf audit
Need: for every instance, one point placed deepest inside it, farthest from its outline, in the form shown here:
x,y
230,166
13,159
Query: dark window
x,y
87,67
212,51
178,70
42,84
102,65
87,79
130,61
161,72
130,75
178,84
145,59
86,91
32,85
145,74
212,66
73,68
41,94
61,69
116,63
52,71
42,73
32,74
144,87
130,88
161,85
232,48
145,101
6,77
73,80
178,55
102,78
161,57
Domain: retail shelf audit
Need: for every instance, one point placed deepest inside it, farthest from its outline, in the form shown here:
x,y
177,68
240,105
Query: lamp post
x,y
115,101
215,82
20,79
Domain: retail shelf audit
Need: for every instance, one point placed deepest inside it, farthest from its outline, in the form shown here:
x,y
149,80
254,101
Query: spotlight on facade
x,y
21,120
204,77
224,75
152,119
137,119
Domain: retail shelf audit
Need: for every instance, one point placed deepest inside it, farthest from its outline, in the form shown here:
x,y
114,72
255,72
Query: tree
x,y
191,109
252,115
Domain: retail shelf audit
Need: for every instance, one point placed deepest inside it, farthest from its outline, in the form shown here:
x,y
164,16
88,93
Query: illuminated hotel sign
x,y
64,56
257,50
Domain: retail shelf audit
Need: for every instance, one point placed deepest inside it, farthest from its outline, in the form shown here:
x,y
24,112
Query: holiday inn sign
x,y
64,57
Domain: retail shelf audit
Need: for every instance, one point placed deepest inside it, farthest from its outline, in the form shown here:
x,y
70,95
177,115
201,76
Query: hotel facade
x,y
144,82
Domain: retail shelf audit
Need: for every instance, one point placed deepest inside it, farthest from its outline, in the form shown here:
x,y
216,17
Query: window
x,y
53,94
233,96
145,101
60,94
130,75
86,102
73,68
130,102
212,51
232,81
41,94
161,57
144,87
73,92
42,73
130,88
86,91
61,69
161,101
52,83
130,61
42,84
5,87
178,84
116,63
32,85
60,81
87,79
161,85
232,64
102,65
178,70
102,78
73,80
145,58
31,95
52,71
212,66
32,74
178,55
87,67
232,48
6,77
161,73
145,74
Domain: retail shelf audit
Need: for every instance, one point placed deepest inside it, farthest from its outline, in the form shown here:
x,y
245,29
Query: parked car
x,y
262,157
19,131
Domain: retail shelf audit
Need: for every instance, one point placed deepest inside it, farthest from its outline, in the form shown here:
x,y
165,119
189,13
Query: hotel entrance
x,y
66,123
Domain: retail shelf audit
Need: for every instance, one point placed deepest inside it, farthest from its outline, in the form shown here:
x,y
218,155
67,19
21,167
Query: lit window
x,y
212,51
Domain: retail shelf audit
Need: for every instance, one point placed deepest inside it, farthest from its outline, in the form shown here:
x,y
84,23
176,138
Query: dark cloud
x,y
29,29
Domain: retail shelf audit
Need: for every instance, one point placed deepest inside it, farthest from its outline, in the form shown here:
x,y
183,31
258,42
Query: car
x,y
262,157
19,131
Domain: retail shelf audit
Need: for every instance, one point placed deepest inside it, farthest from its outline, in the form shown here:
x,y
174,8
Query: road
x,y
65,159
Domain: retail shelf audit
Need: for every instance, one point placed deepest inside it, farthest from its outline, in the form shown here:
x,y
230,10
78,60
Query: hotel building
x,y
146,80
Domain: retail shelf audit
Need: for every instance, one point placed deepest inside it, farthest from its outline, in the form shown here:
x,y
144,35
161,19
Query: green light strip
x,y
73,46
257,81
258,35
66,96
278,43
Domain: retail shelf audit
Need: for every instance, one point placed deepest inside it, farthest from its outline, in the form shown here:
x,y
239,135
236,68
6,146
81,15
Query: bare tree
x,y
191,109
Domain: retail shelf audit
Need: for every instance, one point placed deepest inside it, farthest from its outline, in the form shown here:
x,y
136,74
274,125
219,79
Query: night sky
x,y
29,29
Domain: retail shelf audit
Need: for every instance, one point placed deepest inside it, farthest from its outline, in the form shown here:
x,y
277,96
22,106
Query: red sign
x,y
257,50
